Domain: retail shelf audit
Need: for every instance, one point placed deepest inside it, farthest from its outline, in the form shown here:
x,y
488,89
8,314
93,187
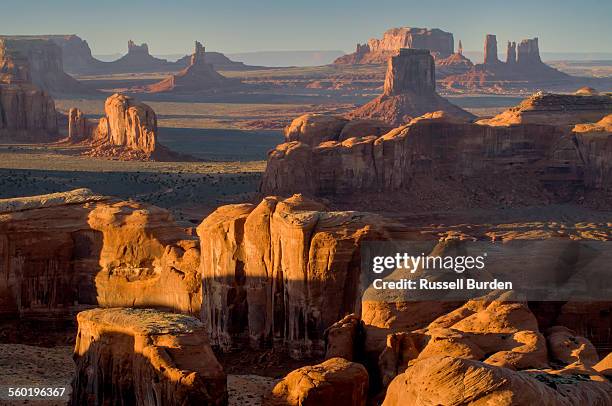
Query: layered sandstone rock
x,y
62,252
281,272
331,383
79,127
439,42
496,332
454,64
409,91
452,381
438,161
197,77
144,357
38,61
343,338
555,109
27,114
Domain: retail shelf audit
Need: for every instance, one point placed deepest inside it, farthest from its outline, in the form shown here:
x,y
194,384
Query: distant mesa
x,y
37,61
523,68
197,77
584,106
127,131
377,51
409,91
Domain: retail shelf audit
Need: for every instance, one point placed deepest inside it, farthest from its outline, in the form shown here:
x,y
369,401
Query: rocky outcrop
x,y
62,252
127,131
138,59
38,61
523,69
409,161
528,52
490,50
144,357
27,114
511,53
440,43
280,273
497,332
449,380
331,383
455,64
556,109
409,91
199,76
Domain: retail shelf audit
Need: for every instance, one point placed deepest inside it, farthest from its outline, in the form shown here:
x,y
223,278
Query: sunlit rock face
x,y
281,272
62,252
409,91
144,357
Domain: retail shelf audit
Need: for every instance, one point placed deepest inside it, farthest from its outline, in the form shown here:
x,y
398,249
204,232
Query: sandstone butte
x,y
27,113
64,252
198,76
378,51
144,357
409,91
128,131
37,61
523,68
441,161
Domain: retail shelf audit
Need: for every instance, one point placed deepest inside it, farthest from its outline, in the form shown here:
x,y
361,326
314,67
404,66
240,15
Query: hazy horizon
x,y
240,26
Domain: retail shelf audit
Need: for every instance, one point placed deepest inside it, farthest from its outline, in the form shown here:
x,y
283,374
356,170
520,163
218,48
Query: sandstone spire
x,y
528,51
490,50
412,70
198,54
460,49
511,53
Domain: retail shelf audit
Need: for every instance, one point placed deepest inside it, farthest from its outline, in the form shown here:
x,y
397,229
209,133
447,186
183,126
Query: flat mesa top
x,y
413,51
143,321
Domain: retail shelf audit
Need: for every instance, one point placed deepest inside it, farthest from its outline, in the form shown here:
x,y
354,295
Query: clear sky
x,y
171,26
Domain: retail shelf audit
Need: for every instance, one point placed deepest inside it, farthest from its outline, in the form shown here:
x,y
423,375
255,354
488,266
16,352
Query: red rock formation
x,y
197,77
409,91
449,380
281,272
38,61
528,52
27,114
490,50
377,51
551,163
62,252
79,127
144,357
511,53
331,383
523,69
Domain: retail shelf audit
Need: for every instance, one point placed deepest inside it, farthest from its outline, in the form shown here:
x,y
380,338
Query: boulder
x,y
343,338
449,380
282,272
566,347
313,129
331,383
144,357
